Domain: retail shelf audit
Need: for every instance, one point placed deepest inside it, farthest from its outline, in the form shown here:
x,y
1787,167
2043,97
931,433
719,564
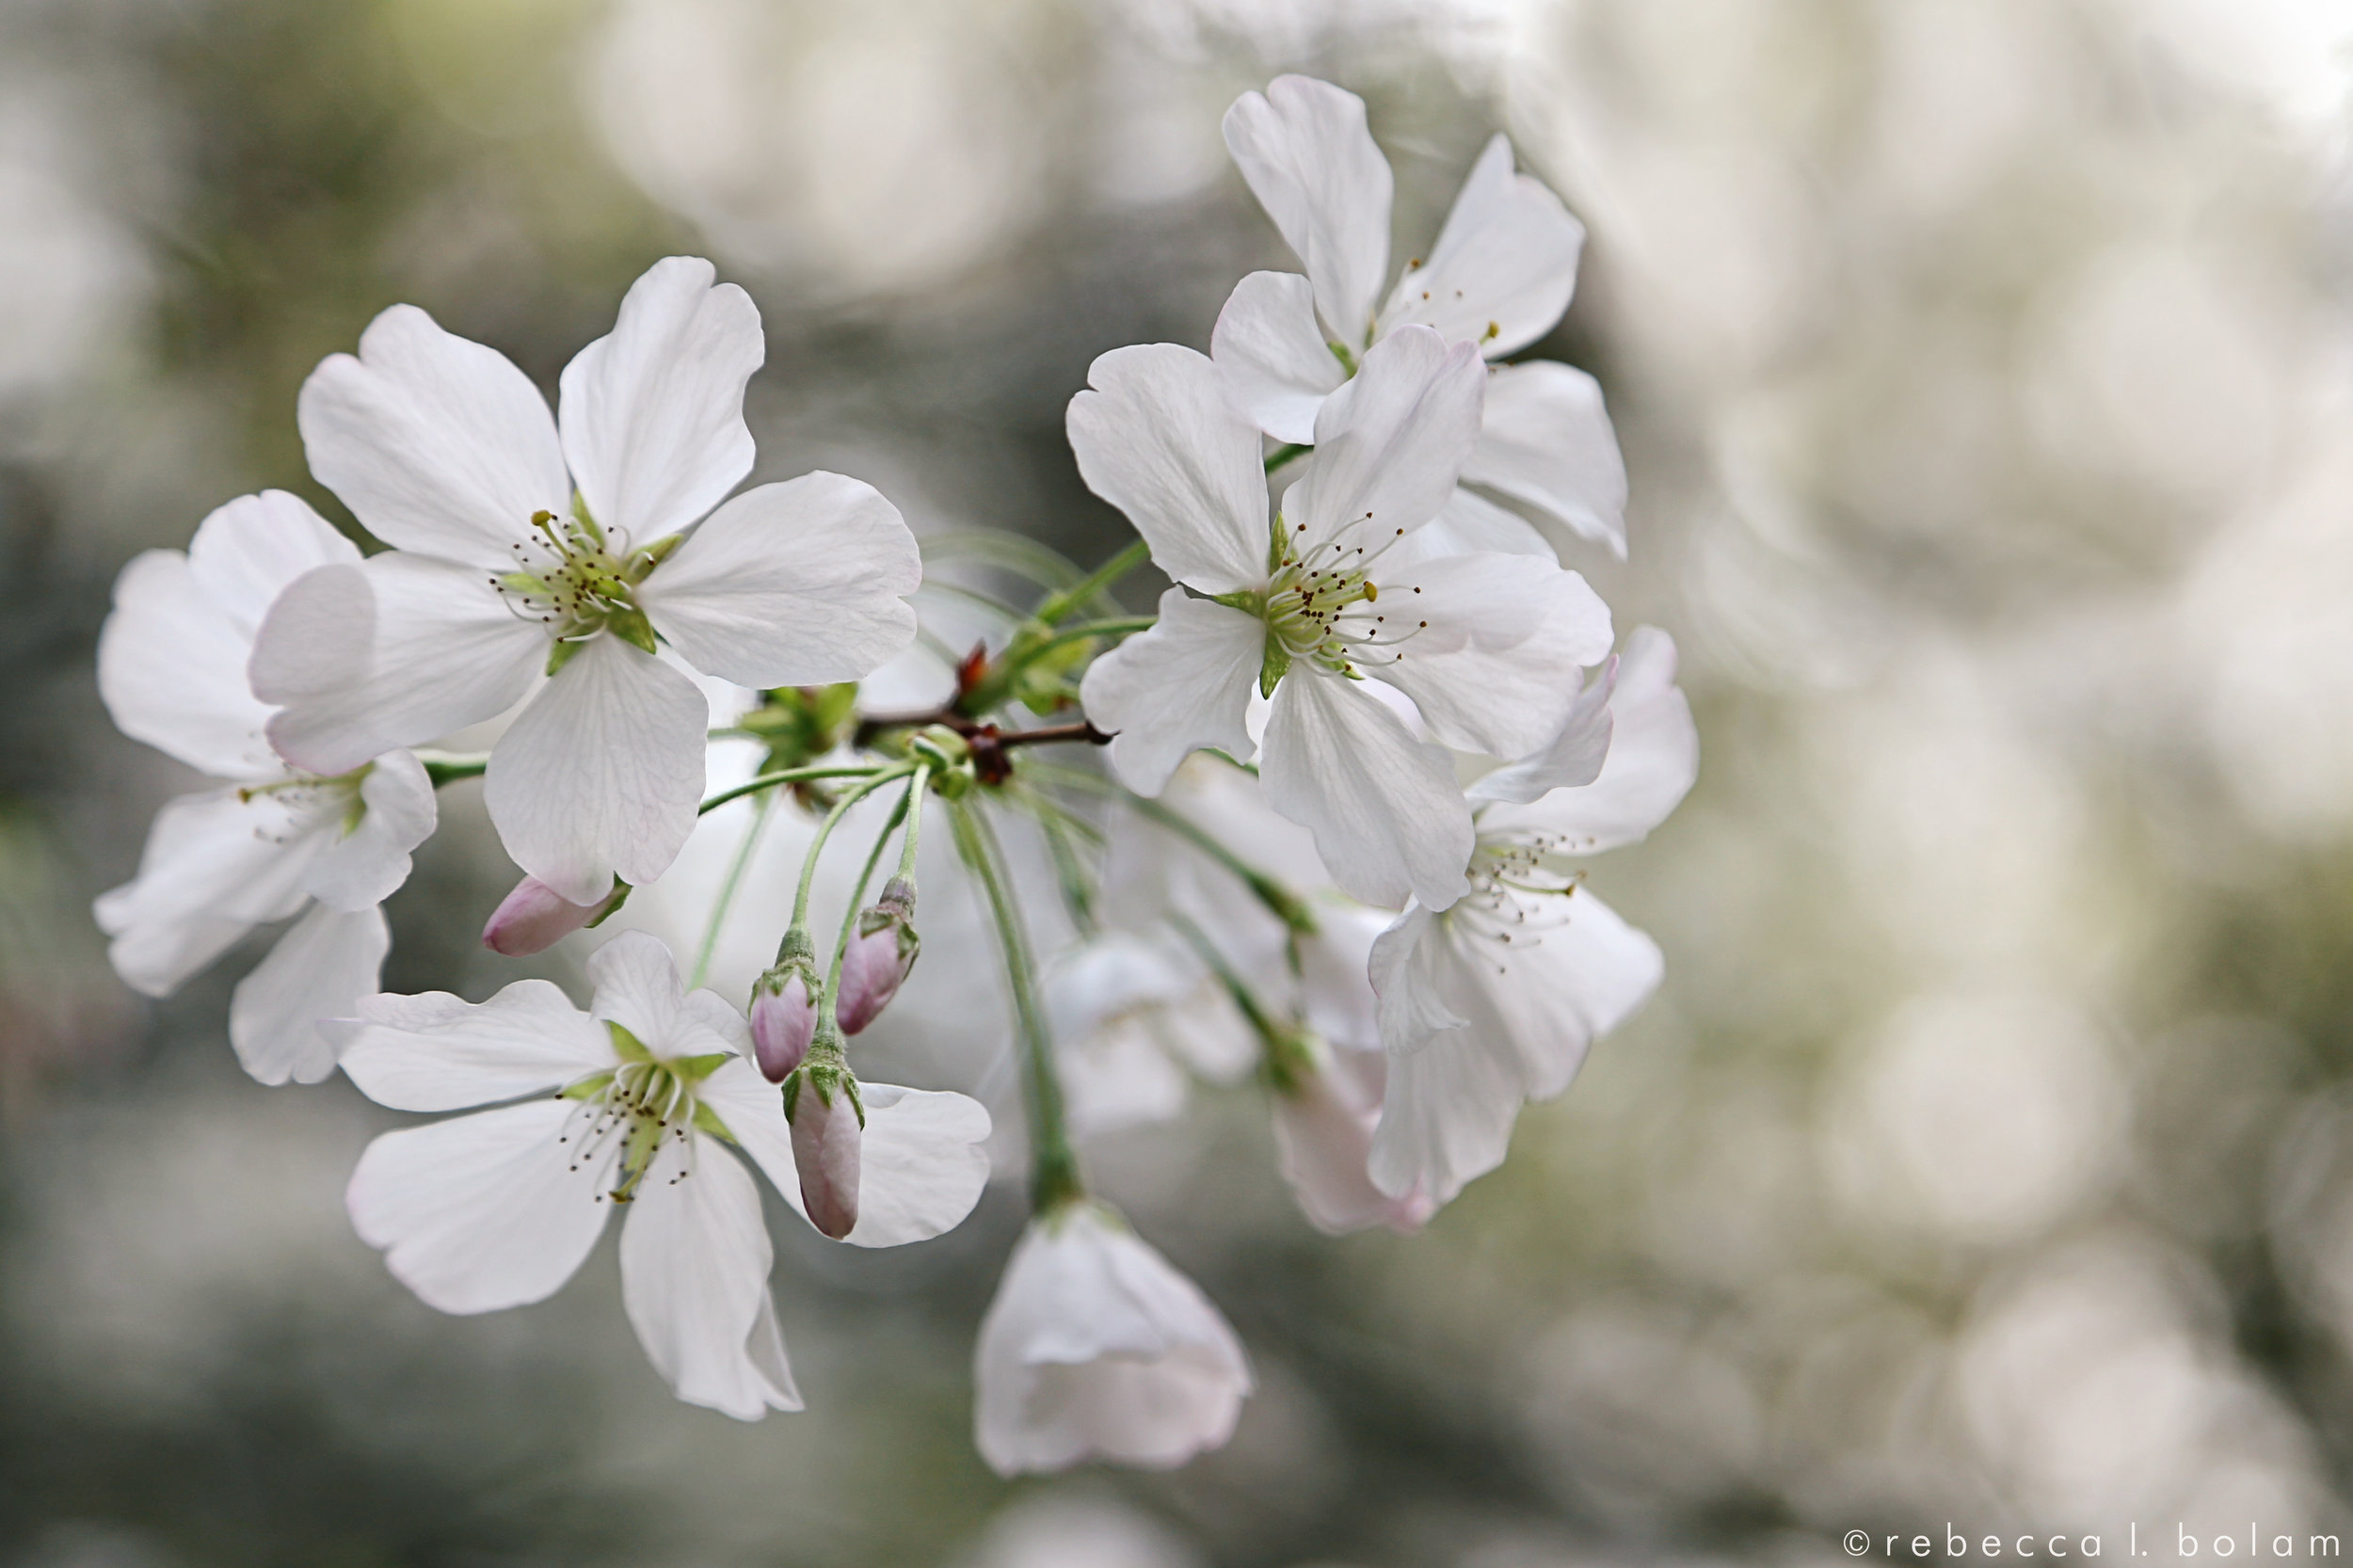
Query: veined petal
x,y
320,968
1410,979
601,774
438,1053
1158,435
1571,759
1496,665
1547,445
1504,265
1580,977
1307,155
637,987
1387,817
360,869
1391,443
652,412
1323,1143
1470,522
1654,758
247,550
1278,368
797,583
752,1110
215,867
1181,685
171,671
484,1211
397,652
695,1261
1445,1115
437,444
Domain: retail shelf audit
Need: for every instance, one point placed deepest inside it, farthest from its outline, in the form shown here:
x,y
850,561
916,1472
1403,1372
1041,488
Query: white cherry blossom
x,y
274,843
631,1104
1096,1347
576,546
1483,644
1499,276
1496,1000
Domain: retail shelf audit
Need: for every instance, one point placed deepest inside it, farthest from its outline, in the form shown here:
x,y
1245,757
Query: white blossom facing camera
x,y
1095,1348
1496,1000
1329,594
577,547
172,669
1498,278
631,1104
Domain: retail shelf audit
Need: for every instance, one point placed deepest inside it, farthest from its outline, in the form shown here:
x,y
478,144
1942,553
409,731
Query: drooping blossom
x,y
1306,609
1326,1108
1496,1000
635,1104
1136,1017
1498,278
1096,1347
533,918
576,547
275,842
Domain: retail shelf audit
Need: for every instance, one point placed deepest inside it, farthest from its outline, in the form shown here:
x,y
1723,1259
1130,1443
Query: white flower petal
x,y
358,870
438,1053
1445,1115
752,1110
1183,684
397,652
1494,667
637,987
1654,758
652,413
695,1261
247,550
1467,524
1388,816
320,968
437,444
215,866
1573,983
1390,443
1571,759
484,1211
797,583
1504,265
601,774
1277,366
1157,434
1546,445
171,671
1322,1144
1410,978
921,1164
1307,155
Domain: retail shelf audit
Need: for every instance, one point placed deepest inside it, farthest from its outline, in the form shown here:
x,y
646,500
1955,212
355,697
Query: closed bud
x,y
881,953
822,1102
533,919
784,1009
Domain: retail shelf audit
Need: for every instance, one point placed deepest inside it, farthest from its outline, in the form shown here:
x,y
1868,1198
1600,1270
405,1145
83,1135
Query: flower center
x,y
1517,894
625,1112
302,804
1322,602
569,576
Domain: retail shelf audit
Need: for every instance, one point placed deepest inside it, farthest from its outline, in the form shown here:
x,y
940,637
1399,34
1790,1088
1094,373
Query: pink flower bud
x,y
826,1127
879,958
533,919
783,1019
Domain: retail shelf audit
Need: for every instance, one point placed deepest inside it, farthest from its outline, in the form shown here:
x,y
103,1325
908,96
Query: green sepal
x,y
560,653
587,1088
587,523
628,1045
644,561
707,1120
1277,663
632,627
1340,352
694,1069
791,1094
524,583
619,895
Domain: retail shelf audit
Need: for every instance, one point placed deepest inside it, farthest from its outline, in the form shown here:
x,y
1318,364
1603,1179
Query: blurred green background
x,y
1984,371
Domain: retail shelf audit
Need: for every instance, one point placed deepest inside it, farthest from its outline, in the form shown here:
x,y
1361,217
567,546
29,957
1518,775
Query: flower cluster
x,y
1320,820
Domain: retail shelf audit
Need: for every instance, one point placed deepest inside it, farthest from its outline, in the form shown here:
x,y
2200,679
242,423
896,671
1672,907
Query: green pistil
x,y
589,589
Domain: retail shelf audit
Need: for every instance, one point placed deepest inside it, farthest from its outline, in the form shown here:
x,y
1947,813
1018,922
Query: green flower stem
x,y
727,889
824,830
1282,455
1054,1167
1060,606
1123,626
790,776
907,803
441,768
915,820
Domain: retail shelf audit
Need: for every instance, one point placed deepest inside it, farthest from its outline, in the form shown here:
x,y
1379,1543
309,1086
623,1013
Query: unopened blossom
x,y
275,842
1498,278
533,918
783,1021
881,954
1096,1347
574,547
828,1127
1496,1000
1308,607
633,1104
